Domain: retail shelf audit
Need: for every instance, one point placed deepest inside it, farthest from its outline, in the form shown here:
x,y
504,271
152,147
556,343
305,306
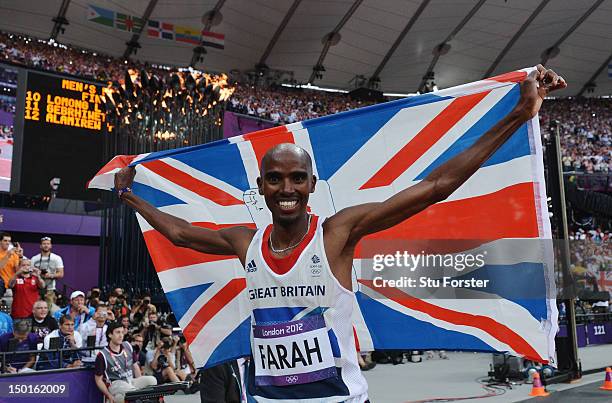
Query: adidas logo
x,y
251,267
315,259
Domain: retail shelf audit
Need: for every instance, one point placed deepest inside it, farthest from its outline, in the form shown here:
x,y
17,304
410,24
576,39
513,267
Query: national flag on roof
x,y
100,16
187,34
367,155
128,23
153,29
213,39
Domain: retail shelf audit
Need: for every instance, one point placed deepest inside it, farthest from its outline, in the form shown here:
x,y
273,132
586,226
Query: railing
x,y
60,358
588,318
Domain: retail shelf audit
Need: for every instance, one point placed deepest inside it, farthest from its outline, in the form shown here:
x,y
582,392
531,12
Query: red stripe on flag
x,y
120,161
230,291
498,330
166,256
507,213
213,35
263,140
153,32
426,138
188,182
514,77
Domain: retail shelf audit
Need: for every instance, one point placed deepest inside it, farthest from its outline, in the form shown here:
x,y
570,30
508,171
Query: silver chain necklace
x,y
292,246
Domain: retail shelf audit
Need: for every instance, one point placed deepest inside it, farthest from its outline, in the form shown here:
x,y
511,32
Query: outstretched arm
x,y
365,219
228,241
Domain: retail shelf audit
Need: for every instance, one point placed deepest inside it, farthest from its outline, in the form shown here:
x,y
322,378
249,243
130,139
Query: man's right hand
x,y
125,177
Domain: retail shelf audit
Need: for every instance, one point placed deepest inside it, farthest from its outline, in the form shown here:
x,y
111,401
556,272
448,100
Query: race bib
x,y
293,353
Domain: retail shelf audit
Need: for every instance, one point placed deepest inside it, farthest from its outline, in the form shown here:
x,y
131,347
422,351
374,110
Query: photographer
x,y
152,331
141,310
96,327
25,283
164,361
117,304
51,266
139,355
187,369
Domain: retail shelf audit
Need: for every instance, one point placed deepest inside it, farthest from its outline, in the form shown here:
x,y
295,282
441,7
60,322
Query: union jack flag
x,y
361,156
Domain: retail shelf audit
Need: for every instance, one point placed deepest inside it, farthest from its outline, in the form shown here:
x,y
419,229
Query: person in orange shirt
x,y
9,258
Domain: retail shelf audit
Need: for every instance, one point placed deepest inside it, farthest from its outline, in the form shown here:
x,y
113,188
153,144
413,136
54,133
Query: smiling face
x,y
286,182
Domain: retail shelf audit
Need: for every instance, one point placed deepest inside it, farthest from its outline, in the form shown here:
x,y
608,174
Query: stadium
x,y
306,201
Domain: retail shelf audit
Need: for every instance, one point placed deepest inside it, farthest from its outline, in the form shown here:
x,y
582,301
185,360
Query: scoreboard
x,y
62,136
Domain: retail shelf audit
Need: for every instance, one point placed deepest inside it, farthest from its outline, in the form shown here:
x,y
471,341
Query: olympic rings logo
x,y
291,379
315,272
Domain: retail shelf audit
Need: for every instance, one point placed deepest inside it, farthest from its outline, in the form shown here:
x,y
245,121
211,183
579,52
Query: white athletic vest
x,y
299,318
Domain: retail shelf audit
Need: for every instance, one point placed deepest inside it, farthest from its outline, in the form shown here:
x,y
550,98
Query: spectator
x,y
77,310
115,365
118,304
68,339
24,341
42,322
25,283
96,328
51,265
125,322
9,258
163,363
185,364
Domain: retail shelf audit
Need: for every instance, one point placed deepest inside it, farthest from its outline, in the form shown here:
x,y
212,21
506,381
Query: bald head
x,y
283,151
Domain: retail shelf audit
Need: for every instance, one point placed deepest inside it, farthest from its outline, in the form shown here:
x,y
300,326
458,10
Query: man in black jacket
x,y
224,383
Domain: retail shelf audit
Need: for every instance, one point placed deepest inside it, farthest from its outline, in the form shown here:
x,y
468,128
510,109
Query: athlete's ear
x,y
314,183
260,185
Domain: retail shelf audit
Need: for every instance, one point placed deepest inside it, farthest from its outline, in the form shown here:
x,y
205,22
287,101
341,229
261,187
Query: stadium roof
x,y
398,41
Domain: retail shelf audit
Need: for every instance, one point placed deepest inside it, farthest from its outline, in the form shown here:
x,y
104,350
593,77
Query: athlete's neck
x,y
287,234
115,348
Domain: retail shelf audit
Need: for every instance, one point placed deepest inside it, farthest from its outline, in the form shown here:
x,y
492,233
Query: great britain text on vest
x,y
287,291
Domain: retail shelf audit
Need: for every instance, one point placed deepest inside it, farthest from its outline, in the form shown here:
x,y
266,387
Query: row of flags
x,y
154,28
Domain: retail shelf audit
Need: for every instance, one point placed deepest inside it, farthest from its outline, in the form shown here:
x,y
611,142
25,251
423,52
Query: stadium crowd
x,y
35,316
585,124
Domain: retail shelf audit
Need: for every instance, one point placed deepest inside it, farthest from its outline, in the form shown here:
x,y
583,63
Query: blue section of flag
x,y
347,132
408,331
237,344
103,12
220,159
155,196
181,299
516,146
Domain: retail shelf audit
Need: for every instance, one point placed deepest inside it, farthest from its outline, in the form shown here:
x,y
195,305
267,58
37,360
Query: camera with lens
x,y
162,361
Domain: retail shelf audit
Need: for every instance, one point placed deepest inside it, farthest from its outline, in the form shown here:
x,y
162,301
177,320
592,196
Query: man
x,y
139,354
9,261
163,363
153,330
286,182
42,322
118,305
224,383
25,283
24,341
115,365
96,327
51,265
68,339
77,310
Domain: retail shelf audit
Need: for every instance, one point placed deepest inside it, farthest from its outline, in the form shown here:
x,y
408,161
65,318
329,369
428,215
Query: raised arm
x,y
356,222
228,241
